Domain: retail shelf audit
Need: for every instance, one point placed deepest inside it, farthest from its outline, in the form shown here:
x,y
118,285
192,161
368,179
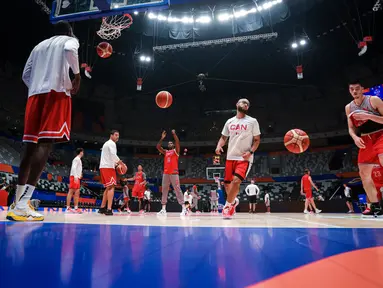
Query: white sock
x,y
25,196
227,203
164,207
67,207
19,191
75,207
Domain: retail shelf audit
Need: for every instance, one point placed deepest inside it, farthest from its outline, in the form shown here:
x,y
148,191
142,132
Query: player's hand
x,y
362,116
246,155
76,84
173,132
359,142
163,135
218,150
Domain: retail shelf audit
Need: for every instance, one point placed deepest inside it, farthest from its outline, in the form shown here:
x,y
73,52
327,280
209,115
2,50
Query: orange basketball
x,y
164,99
104,50
297,141
122,169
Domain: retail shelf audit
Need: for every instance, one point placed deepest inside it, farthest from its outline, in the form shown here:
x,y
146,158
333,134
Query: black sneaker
x,y
376,209
102,210
108,213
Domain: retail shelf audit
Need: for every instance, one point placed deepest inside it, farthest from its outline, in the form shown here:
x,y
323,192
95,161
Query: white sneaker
x,y
306,212
317,211
26,214
183,213
162,212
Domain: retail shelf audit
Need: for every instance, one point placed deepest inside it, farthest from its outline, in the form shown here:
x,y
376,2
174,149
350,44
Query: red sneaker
x,y
367,212
228,211
78,211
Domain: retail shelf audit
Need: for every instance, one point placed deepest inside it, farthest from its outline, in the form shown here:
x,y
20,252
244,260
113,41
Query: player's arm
x,y
376,103
247,190
159,144
144,177
312,183
113,153
352,130
257,190
27,70
71,54
302,186
176,142
256,136
224,136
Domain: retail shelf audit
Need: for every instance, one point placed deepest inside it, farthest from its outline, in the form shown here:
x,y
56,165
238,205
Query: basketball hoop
x,y
112,26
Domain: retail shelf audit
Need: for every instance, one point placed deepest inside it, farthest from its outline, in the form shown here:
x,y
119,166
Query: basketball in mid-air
x,y
296,141
122,169
164,99
104,50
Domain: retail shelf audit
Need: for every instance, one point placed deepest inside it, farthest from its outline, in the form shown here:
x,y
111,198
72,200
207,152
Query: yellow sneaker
x,y
26,214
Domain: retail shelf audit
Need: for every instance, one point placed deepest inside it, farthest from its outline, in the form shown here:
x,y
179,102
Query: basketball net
x,y
216,180
112,26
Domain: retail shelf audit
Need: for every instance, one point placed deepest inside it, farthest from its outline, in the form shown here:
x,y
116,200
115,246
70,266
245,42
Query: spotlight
x,y
135,12
142,58
147,59
303,42
294,45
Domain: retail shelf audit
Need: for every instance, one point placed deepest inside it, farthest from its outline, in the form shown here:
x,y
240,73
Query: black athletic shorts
x,y
253,199
348,199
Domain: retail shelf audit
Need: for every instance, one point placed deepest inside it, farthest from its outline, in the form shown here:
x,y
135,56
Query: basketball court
x,y
259,250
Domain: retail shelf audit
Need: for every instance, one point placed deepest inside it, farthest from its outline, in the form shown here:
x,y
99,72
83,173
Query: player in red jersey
x,y
365,113
306,190
244,138
48,111
377,177
170,175
139,187
126,198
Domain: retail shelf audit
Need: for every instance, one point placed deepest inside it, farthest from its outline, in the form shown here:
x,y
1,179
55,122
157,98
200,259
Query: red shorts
x,y
236,168
374,147
138,191
73,184
309,194
126,198
108,177
48,116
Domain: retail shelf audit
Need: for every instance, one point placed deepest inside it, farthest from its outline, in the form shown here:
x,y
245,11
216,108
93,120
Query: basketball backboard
x,y
212,172
76,10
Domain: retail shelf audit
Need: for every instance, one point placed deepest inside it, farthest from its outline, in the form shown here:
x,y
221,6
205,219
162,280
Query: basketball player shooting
x,y
365,114
170,175
244,138
74,182
48,111
108,162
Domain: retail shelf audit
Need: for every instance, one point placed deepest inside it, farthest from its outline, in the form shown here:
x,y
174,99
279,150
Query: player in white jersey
x,y
252,191
147,199
48,111
214,196
244,138
108,162
267,202
74,182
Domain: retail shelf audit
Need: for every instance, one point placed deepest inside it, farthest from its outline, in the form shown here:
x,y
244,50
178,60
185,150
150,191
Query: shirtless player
x,y
365,113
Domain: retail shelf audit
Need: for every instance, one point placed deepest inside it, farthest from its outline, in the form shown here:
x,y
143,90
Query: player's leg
x,y
110,195
365,171
76,199
69,199
165,192
307,204
314,206
175,181
250,204
31,167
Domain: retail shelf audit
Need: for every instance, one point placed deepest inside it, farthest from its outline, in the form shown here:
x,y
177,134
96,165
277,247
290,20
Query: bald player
x,y
244,138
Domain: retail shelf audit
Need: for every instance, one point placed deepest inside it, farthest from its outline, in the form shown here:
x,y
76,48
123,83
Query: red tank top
x,y
171,162
139,178
377,175
306,182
